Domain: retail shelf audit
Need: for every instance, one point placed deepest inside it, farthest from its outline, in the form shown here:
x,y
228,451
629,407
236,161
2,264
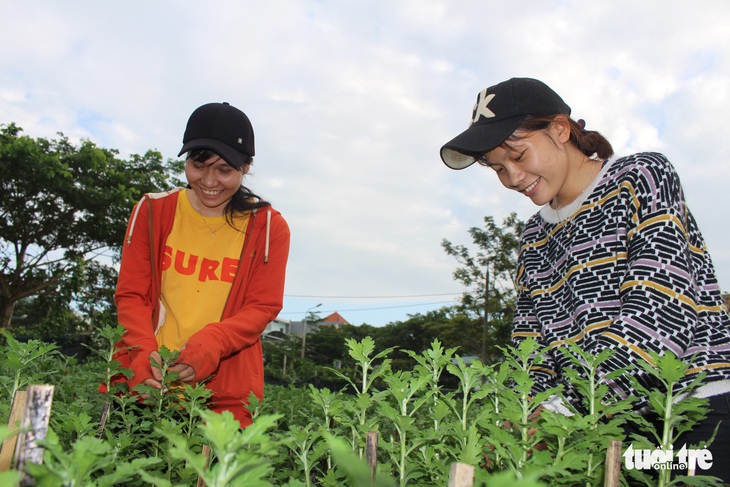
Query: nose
x,y
208,178
515,177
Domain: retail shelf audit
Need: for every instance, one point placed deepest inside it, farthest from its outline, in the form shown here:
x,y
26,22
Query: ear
x,y
561,128
245,168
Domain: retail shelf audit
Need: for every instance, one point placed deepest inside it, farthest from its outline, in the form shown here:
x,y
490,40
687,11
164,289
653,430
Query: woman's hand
x,y
185,373
156,380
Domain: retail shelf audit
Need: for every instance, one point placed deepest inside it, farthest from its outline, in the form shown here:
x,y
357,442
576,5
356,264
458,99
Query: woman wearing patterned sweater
x,y
613,260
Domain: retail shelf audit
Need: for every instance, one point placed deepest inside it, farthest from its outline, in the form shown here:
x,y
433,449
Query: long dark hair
x,y
243,200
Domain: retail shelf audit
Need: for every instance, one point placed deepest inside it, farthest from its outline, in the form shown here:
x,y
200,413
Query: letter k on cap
x,y
480,108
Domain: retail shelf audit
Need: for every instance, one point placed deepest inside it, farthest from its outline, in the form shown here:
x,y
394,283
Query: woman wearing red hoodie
x,y
203,268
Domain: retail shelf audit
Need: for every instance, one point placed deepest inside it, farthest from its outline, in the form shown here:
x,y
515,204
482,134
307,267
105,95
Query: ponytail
x,y
589,142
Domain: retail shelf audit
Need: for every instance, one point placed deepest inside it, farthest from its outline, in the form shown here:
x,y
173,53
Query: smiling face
x,y
213,182
542,164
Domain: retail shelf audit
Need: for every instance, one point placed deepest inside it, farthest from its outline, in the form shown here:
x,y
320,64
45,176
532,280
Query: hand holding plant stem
x,y
156,388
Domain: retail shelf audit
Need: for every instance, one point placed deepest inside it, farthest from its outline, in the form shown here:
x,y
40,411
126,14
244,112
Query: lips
x,y
210,194
529,190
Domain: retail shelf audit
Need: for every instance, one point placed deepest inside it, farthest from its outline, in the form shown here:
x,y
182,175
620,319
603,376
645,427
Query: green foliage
x,y
677,416
327,350
88,459
314,436
65,207
488,273
591,432
353,469
238,457
23,360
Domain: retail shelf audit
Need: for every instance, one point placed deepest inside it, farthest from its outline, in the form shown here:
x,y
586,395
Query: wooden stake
x,y
17,411
613,465
35,425
206,453
102,419
461,475
371,453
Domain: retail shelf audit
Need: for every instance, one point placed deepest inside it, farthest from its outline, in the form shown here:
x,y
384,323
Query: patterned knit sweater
x,y
627,270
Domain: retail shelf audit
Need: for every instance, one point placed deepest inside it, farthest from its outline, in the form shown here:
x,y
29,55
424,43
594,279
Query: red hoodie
x,y
228,352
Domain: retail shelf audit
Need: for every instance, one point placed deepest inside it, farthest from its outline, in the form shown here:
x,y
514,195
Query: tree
x,y
62,208
68,316
280,354
450,326
490,275
326,345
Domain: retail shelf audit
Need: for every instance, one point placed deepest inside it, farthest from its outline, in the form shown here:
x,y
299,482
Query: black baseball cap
x,y
222,128
498,112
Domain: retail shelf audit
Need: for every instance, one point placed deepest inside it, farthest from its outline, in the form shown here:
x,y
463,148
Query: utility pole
x,y
304,327
485,325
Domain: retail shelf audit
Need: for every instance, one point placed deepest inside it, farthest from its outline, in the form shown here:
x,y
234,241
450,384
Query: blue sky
x,y
351,101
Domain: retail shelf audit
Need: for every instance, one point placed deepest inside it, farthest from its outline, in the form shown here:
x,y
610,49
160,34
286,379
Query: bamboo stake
x,y
17,411
461,475
371,452
613,465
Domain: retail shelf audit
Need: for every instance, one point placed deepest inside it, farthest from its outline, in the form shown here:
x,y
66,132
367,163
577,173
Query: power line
x,y
371,309
371,297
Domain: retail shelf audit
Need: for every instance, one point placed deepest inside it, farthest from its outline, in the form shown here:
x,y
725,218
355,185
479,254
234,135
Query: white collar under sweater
x,y
556,216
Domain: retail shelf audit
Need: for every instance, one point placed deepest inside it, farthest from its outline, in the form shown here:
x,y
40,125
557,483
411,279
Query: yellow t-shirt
x,y
198,268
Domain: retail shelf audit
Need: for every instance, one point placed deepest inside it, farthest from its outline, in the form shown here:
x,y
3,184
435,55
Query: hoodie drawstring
x,y
268,234
138,206
134,220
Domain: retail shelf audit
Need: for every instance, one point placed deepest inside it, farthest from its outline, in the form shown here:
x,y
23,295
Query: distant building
x,y
335,319
297,327
278,326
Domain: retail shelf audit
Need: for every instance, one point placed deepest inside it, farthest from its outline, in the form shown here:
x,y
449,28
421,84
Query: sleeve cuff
x,y
555,404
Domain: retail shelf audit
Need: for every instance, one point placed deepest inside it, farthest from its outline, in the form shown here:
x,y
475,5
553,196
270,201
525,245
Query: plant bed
x,y
317,436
